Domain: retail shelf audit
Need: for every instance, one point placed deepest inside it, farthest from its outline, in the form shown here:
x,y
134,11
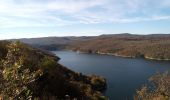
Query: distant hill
x,y
153,46
53,43
129,35
54,40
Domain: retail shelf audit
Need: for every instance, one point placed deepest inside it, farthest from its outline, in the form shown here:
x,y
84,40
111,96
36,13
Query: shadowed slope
x,y
29,73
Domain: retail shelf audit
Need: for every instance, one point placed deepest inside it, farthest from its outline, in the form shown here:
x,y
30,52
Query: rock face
x,y
29,73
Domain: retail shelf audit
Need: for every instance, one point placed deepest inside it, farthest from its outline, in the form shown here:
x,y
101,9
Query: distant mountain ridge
x,y
153,46
54,40
71,39
53,43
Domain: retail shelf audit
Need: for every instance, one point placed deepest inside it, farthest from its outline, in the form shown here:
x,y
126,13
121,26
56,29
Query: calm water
x,y
124,75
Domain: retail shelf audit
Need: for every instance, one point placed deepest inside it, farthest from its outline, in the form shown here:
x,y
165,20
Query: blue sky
x,y
41,18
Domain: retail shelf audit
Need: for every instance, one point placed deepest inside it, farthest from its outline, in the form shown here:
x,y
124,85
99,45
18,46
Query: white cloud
x,y
23,14
42,13
11,35
68,6
18,35
73,6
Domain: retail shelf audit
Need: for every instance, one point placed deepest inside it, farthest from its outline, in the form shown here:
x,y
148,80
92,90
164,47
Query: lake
x,y
124,75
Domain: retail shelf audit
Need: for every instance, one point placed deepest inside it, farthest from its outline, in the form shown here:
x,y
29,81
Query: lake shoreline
x,y
118,55
124,56
123,75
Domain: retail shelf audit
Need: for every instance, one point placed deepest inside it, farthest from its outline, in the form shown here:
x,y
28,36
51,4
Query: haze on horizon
x,y
43,18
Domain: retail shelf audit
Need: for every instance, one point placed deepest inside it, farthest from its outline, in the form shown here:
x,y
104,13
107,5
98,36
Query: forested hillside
x,y
53,43
127,45
27,73
154,46
160,84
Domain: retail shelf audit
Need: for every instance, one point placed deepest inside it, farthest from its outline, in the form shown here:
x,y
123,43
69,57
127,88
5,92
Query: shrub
x,y
159,90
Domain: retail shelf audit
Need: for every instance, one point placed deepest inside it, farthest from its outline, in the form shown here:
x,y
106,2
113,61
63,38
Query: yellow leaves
x,y
15,73
48,63
159,91
38,73
8,73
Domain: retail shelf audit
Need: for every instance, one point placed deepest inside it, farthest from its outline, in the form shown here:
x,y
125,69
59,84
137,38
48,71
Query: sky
x,y
42,18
